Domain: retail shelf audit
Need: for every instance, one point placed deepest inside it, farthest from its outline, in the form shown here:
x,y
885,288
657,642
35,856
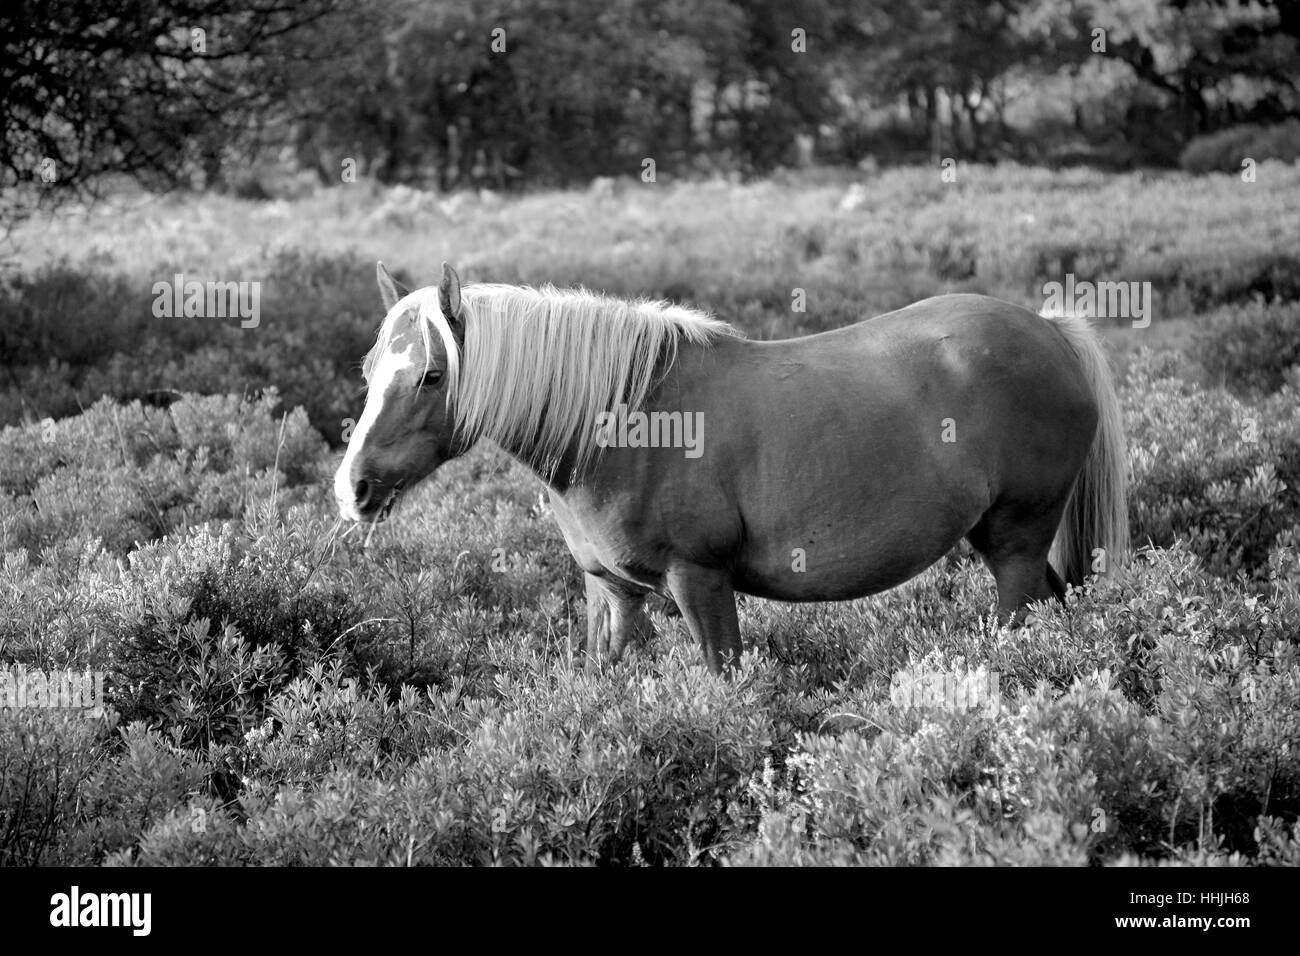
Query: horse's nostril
x,y
362,493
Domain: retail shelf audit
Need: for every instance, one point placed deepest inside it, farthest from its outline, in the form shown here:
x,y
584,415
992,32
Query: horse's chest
x,y
638,538
603,542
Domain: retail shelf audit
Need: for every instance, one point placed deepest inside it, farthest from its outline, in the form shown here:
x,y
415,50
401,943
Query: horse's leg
x,y
708,603
1020,580
598,619
1056,584
615,617
1014,544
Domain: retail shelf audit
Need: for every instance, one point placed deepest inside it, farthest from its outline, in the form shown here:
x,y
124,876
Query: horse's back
x,y
969,348
945,347
976,320
1006,374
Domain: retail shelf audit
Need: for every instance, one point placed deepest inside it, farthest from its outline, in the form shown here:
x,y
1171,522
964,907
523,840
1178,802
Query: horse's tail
x,y
1096,516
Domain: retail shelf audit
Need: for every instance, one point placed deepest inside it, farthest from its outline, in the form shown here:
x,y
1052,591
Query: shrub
x,y
1210,469
238,628
82,330
144,776
564,767
69,315
46,757
1189,728
1204,276
1225,149
78,334
291,694
1251,348
130,474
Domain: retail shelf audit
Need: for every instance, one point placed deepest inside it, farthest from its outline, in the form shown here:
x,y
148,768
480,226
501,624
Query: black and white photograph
x,y
651,434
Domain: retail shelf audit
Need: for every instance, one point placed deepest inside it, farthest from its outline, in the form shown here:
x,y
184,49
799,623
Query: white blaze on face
x,y
381,379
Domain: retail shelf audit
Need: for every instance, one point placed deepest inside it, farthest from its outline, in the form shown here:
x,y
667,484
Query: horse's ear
x,y
449,295
390,290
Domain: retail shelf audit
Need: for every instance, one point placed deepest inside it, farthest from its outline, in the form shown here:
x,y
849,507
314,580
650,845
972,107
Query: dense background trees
x,y
152,88
506,92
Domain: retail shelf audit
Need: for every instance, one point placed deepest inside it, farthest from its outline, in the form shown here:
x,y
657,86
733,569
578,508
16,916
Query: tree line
x,y
514,92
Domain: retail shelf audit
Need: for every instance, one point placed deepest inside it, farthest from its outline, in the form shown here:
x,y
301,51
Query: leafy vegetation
x,y
279,693
1225,151
78,328
236,96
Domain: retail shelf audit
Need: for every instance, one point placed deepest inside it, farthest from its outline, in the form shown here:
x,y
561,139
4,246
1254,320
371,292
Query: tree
x,y
958,48
553,91
1205,63
155,89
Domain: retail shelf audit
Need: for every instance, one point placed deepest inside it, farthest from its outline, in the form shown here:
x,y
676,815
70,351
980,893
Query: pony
x,y
821,468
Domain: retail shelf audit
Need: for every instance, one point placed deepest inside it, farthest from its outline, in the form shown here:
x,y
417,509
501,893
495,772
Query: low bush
x,y
128,474
281,691
1251,348
1210,469
1224,150
72,336
819,252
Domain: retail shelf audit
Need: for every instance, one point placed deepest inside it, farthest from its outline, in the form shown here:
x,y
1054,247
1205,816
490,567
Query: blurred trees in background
x,y
504,92
557,90
150,88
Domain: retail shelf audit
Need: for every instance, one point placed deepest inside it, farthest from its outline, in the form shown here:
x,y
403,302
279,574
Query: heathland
x,y
276,693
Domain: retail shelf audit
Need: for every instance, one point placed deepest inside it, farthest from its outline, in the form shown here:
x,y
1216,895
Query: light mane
x,y
540,365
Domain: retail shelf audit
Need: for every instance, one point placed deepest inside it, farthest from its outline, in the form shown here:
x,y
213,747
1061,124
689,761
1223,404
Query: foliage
x,y
1227,149
1222,475
282,690
255,98
90,91
75,335
126,474
280,695
1251,348
856,246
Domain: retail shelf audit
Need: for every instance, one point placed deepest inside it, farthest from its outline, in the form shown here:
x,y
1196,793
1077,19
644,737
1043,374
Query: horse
x,y
820,468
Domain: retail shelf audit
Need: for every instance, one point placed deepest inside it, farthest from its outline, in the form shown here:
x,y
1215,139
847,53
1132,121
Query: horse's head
x,y
407,427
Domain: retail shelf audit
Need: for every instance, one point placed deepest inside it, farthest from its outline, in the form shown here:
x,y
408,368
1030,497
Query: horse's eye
x,y
432,379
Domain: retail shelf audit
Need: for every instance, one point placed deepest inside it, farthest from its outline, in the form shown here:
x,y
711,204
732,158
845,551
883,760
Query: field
x,y
280,694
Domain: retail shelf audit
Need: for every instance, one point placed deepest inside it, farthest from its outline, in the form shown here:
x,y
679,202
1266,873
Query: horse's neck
x,y
560,470
667,392
525,451
559,474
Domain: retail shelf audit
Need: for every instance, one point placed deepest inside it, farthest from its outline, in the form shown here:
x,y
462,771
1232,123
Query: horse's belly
x,y
850,559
